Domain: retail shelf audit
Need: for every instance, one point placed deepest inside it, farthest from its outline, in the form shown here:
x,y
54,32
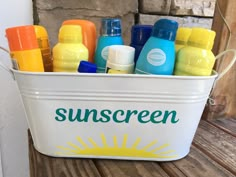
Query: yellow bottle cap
x,y
42,36
40,31
201,37
183,35
70,33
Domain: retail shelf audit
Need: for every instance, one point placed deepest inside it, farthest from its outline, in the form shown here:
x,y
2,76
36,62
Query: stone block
x,y
52,21
101,8
154,6
193,7
183,21
51,14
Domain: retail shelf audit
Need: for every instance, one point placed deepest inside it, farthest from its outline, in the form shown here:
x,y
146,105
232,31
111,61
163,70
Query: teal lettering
x,y
167,114
155,115
70,115
118,116
60,112
77,117
142,115
105,115
121,112
88,113
129,114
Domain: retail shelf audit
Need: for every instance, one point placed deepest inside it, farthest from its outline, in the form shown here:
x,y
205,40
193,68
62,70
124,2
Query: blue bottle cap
x,y
140,34
111,27
165,29
87,67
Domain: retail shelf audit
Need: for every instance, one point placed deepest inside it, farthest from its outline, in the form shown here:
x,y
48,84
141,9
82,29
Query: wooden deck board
x,y
217,144
116,168
228,125
45,166
195,164
213,153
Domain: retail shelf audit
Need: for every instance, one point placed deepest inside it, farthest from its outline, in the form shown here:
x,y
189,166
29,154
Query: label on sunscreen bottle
x,y
113,71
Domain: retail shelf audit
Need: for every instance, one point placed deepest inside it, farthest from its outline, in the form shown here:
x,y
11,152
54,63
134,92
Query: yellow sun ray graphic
x,y
150,150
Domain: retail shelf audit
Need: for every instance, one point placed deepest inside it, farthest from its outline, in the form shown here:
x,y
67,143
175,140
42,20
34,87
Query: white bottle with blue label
x,y
158,53
110,35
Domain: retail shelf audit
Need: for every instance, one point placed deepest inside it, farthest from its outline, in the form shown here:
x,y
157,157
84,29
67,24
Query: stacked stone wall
x,y
189,13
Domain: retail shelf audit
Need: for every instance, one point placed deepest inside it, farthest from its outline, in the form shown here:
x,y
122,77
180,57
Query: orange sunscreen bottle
x,y
24,48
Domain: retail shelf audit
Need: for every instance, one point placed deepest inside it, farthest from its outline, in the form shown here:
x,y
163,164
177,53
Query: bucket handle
x,y
5,67
230,64
211,100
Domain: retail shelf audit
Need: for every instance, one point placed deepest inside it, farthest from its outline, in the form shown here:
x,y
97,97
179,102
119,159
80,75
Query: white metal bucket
x,y
113,116
135,117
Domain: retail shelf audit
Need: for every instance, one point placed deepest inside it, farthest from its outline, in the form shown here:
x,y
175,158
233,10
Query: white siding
x,y
13,126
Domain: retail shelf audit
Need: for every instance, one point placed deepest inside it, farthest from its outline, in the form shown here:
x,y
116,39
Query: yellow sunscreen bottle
x,y
24,48
69,51
182,37
43,42
196,59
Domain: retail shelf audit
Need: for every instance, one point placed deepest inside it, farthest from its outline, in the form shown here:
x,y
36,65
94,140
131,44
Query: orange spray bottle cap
x,y
21,38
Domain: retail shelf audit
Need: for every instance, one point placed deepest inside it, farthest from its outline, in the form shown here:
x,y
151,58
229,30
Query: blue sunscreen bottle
x,y
110,35
158,53
139,36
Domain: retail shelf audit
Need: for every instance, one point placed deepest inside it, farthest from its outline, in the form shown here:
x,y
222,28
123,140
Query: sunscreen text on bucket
x,y
117,116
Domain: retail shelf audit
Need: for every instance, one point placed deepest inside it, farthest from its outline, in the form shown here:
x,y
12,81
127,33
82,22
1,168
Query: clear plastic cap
x,y
111,27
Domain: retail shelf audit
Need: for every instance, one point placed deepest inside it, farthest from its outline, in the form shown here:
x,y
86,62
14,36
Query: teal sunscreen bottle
x,y
158,53
110,35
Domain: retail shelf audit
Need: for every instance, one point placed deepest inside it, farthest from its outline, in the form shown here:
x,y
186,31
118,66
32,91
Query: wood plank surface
x,y
45,166
217,144
212,154
197,164
118,168
228,125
